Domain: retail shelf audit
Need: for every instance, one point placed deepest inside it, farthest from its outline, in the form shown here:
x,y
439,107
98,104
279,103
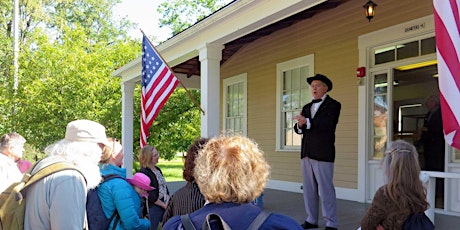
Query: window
x,y
293,93
235,104
402,51
380,115
455,155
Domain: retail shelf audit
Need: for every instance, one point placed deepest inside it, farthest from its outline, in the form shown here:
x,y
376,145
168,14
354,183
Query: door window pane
x,y
384,55
428,46
380,115
380,125
404,50
407,50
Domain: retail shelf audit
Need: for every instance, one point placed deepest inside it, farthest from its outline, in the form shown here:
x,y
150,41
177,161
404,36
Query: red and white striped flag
x,y
158,82
447,26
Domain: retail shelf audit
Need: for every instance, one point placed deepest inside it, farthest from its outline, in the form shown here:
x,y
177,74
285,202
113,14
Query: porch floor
x,y
349,213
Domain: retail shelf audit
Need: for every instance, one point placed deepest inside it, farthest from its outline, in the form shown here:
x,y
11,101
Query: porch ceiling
x,y
192,66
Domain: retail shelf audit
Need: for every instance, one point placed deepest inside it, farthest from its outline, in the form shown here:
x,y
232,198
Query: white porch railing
x,y
429,180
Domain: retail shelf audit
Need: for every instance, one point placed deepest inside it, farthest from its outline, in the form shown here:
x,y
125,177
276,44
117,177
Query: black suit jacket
x,y
318,142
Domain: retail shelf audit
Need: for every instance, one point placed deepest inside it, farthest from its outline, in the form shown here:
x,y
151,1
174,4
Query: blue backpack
x,y
96,217
418,221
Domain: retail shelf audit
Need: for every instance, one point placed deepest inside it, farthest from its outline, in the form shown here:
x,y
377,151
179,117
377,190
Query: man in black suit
x,y
433,136
433,141
317,123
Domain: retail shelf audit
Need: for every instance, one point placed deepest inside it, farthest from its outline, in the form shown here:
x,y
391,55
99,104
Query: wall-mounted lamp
x,y
369,9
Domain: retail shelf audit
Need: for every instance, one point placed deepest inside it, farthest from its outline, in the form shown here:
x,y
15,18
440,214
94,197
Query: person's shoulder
x,y
145,171
332,100
381,189
109,169
159,169
380,194
66,174
172,224
280,221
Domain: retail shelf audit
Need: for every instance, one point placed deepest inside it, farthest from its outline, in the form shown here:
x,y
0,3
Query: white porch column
x,y
210,56
127,108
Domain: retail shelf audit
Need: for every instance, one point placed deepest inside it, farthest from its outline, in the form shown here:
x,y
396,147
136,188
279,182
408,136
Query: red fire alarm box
x,y
361,72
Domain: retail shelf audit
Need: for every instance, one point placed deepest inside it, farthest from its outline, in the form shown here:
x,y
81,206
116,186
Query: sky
x,y
144,13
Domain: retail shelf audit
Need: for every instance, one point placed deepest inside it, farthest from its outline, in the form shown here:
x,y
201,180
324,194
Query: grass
x,y
172,170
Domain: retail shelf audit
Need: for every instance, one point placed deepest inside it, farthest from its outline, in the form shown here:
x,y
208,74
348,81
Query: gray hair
x,y
73,151
433,98
12,139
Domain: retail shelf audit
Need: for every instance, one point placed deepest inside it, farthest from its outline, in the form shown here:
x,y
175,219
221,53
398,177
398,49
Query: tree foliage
x,y
178,15
177,125
68,50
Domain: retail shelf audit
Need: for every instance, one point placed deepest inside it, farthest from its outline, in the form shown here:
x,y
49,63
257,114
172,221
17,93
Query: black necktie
x,y
316,100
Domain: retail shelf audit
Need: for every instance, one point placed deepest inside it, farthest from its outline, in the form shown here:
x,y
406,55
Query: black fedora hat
x,y
321,78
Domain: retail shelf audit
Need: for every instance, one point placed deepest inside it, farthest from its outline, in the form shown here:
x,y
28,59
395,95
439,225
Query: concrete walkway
x,y
349,213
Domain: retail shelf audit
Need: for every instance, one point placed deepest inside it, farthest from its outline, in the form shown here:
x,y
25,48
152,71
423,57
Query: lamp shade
x,y
369,9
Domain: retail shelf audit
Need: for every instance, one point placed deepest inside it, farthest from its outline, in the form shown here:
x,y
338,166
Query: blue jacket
x,y
120,195
237,216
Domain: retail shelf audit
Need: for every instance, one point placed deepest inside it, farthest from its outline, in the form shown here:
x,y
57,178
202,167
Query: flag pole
x,y
172,71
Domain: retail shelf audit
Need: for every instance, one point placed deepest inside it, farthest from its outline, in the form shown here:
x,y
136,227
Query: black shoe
x,y
330,228
307,225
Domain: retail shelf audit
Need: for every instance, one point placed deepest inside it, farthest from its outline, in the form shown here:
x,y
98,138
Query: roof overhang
x,y
236,20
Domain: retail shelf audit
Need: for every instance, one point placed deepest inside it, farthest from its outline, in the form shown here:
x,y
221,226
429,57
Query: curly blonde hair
x,y
231,169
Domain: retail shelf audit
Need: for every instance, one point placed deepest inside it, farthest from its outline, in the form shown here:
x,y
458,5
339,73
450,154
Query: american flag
x,y
158,82
447,27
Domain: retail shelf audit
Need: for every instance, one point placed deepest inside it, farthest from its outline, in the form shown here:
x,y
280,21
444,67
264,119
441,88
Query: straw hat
x,y
86,131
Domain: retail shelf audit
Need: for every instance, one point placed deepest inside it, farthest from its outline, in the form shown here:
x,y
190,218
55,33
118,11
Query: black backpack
x,y
96,217
418,221
215,222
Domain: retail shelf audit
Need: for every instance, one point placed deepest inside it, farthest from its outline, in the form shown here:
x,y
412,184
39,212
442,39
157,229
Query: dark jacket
x,y
237,216
153,194
318,142
433,141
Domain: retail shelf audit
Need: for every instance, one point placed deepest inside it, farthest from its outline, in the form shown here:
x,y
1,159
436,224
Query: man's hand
x,y
301,120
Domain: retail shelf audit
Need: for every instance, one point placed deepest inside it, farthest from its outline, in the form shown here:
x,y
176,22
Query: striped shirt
x,y
185,200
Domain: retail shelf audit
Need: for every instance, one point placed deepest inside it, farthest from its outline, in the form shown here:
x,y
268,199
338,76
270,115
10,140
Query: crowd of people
x,y
223,174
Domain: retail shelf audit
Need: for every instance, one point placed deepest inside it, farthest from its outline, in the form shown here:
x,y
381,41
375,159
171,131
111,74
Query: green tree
x,y
177,125
69,48
68,51
179,15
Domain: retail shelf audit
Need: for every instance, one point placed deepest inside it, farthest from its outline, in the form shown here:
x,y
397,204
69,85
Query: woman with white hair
x,y
59,200
11,148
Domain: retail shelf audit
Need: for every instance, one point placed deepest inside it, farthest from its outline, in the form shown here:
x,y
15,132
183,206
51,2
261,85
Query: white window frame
x,y
242,78
305,61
